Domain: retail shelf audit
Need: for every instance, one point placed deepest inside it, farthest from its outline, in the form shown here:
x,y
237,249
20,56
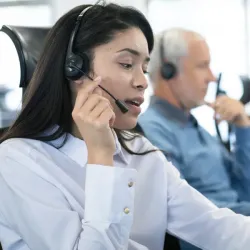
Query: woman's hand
x,y
94,117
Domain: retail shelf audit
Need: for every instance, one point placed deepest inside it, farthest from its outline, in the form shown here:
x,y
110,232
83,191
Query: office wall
x,y
59,7
26,15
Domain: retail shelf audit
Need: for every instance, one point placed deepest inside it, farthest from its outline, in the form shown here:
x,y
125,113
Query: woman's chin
x,y
125,124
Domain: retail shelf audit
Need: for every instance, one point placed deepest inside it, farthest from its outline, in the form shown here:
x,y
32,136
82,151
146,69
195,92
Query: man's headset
x,y
219,92
168,69
77,66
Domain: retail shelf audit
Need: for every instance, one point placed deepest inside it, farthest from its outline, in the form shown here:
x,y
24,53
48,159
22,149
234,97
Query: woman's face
x,y
122,64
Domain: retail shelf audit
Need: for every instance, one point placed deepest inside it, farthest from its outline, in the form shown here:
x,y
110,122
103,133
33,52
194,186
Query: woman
x,y
71,177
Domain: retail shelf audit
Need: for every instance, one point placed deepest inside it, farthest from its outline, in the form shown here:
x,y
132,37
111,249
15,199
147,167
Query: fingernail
x,y
97,79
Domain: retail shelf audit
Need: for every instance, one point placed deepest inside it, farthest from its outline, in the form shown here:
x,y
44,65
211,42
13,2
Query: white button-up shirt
x,y
52,199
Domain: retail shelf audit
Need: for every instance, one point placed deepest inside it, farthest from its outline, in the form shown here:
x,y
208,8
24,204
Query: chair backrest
x,y
246,89
171,242
29,42
2,130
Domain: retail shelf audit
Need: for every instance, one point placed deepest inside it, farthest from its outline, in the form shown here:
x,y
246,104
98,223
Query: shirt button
x,y
126,210
130,184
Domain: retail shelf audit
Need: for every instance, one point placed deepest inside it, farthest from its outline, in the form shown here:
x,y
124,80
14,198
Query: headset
x,y
168,69
219,92
77,66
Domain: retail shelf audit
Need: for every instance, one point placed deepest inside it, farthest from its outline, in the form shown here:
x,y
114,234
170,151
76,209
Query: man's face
x,y
195,75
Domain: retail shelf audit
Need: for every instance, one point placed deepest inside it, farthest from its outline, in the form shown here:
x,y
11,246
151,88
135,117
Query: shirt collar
x,y
172,112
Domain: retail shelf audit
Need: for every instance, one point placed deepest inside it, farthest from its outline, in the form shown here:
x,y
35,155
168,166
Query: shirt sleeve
x,y
198,221
40,214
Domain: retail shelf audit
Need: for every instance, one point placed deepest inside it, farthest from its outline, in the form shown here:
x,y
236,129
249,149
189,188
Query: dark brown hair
x,y
47,101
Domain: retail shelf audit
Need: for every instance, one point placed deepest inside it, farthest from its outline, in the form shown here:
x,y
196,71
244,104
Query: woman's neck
x,y
75,132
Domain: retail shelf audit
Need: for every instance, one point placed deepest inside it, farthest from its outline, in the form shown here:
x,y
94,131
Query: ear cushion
x,y
168,71
75,62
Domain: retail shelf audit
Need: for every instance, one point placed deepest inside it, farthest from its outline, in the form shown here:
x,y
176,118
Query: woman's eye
x,y
126,65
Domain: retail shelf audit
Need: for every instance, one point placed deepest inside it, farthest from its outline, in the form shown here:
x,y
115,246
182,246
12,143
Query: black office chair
x,y
2,130
29,42
245,99
246,89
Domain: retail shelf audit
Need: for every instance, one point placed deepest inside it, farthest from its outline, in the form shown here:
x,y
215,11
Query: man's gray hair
x,y
175,44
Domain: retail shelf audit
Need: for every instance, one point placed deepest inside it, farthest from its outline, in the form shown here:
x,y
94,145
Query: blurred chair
x,y
245,99
171,242
28,42
1,132
21,48
246,89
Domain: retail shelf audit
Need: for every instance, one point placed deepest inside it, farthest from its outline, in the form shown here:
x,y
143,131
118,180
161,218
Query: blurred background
x,y
224,23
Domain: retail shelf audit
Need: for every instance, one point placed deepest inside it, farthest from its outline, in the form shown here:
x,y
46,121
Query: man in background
x,y
180,73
